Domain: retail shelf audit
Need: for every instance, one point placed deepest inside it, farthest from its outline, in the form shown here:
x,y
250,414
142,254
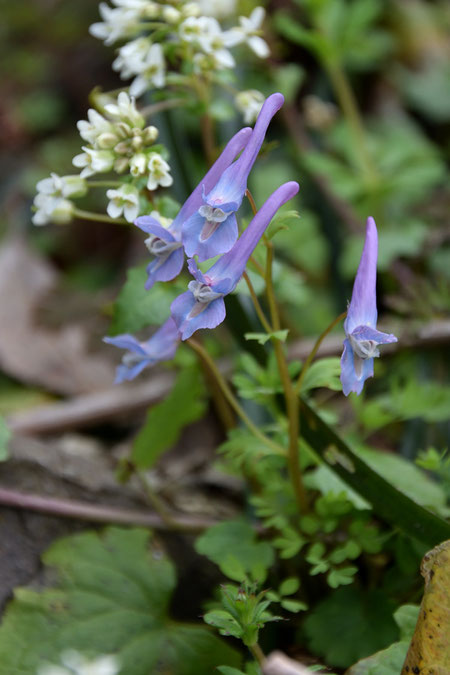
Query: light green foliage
x,y
390,661
365,616
343,30
288,587
257,382
406,400
323,373
5,435
111,597
428,89
185,404
244,613
407,478
288,79
262,338
234,547
136,308
311,255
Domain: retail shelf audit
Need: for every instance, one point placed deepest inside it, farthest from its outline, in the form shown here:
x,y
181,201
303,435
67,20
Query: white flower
x,y
249,103
220,9
191,9
162,220
159,172
52,209
117,23
152,73
132,56
207,33
124,200
138,164
125,109
62,186
92,129
249,31
94,161
170,14
74,663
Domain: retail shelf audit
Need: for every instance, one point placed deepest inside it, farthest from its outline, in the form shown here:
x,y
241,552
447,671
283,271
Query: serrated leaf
x,y
345,612
5,435
236,538
111,597
323,373
341,576
137,308
185,404
224,622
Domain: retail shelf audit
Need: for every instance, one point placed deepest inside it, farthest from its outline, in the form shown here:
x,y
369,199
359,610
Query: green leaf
x,y
390,661
388,503
137,308
294,606
341,576
366,617
262,338
289,586
224,622
288,78
236,538
165,421
111,596
5,435
323,373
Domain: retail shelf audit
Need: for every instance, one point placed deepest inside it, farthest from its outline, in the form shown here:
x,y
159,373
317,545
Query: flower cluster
x,y
182,32
74,663
52,203
118,141
205,227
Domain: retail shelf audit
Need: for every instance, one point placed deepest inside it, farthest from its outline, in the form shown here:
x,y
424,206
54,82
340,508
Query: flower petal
x,y
351,380
362,310
210,317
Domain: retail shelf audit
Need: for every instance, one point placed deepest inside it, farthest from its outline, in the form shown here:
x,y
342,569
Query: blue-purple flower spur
x,y
202,306
362,337
164,243
160,347
212,229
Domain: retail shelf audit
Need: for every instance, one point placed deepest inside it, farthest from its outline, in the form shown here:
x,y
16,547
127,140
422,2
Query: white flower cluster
x,y
189,30
74,663
52,203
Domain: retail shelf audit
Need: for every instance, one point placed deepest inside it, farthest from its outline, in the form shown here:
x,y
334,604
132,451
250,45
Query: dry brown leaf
x,y
429,651
56,360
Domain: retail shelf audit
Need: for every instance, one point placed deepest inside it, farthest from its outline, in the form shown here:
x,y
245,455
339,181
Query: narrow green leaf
x,y
388,503
262,338
165,421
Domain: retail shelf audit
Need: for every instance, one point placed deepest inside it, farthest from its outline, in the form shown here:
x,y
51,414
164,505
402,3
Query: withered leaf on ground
x,y
56,360
429,651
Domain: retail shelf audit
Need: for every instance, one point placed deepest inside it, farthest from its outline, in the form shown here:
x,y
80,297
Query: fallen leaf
x,y
429,651
54,359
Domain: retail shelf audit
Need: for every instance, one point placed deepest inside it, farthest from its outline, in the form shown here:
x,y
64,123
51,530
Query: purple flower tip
x,y
362,337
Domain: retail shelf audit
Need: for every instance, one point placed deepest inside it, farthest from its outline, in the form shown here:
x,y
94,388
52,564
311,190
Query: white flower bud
x,y
150,134
138,164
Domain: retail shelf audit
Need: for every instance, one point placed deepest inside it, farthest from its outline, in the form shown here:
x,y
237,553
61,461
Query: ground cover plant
x,y
279,174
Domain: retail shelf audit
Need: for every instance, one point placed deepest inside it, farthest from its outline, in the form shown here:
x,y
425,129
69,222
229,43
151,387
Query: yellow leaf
x,y
429,651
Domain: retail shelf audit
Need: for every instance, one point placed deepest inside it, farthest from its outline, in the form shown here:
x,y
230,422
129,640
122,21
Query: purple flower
x,y
212,228
165,243
202,306
362,337
160,347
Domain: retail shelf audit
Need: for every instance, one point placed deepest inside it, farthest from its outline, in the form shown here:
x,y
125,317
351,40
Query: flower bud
x,y
138,164
171,15
106,141
123,129
122,148
137,142
121,164
150,134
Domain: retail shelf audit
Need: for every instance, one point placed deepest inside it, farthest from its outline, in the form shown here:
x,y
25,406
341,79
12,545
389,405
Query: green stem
x,y
258,654
104,183
228,394
292,402
315,349
155,108
156,502
256,304
350,109
98,217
